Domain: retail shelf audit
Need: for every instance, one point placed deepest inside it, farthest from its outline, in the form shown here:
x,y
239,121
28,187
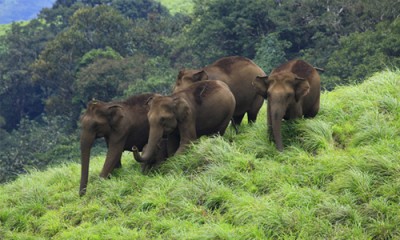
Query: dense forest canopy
x,y
109,49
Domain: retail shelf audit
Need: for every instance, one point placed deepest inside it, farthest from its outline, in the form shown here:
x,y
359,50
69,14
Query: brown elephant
x,y
292,90
238,73
203,108
123,124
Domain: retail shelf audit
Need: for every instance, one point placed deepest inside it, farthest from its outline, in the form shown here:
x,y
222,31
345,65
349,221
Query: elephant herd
x,y
203,102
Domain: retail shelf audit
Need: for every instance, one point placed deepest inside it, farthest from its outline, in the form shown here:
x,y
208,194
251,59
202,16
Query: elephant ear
x,y
181,74
199,76
182,109
114,114
302,87
261,84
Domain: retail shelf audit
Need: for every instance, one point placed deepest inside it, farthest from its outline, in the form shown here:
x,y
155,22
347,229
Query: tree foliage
x,y
271,52
36,144
362,54
22,45
56,68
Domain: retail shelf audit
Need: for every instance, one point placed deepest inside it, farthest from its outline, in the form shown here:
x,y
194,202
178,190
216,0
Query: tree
x,y
55,70
18,96
271,52
36,144
228,27
362,54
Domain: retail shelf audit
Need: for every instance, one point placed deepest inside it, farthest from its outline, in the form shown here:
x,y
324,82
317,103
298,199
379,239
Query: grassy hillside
x,y
338,178
175,6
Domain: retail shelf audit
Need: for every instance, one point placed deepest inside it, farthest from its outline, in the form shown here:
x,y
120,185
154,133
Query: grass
x,y
178,6
338,178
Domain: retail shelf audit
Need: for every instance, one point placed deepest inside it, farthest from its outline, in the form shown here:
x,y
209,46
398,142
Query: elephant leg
x,y
313,110
252,117
113,157
237,119
172,144
255,108
269,124
118,164
234,126
224,125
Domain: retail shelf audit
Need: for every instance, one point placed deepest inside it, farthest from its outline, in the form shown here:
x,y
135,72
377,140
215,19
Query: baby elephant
x,y
203,108
292,90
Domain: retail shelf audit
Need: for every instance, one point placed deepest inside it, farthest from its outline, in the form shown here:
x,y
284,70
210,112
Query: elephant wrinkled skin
x,y
238,73
292,90
203,108
122,124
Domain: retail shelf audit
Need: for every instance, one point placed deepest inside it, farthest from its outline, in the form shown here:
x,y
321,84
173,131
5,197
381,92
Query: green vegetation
x,y
338,178
4,28
178,6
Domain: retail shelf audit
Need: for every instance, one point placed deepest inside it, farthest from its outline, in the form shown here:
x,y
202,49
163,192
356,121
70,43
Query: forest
x,y
79,50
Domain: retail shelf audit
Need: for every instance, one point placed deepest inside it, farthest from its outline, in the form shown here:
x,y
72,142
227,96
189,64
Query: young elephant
x,y
122,124
292,90
238,73
204,108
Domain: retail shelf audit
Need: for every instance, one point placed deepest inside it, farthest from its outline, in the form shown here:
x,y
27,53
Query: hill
x,y
338,178
178,6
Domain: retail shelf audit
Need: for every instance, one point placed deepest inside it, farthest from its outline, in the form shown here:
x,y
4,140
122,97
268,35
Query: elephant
x,y
238,73
123,124
203,108
292,91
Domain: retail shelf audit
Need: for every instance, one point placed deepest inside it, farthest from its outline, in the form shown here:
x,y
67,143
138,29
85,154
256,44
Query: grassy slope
x,y
175,6
338,178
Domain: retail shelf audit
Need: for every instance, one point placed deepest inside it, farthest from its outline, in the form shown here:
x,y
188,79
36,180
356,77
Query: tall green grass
x,y
338,178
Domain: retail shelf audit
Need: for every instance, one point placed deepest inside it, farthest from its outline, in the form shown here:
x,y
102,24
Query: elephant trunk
x,y
86,140
276,116
136,154
148,152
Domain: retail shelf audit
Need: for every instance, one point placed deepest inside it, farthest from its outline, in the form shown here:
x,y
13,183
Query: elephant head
x,y
284,92
100,120
187,77
166,113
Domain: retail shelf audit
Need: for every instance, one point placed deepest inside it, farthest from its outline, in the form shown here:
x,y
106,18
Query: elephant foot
x,y
82,192
146,168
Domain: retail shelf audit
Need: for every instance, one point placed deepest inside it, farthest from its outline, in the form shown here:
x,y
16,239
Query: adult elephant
x,y
123,124
292,90
203,108
238,73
